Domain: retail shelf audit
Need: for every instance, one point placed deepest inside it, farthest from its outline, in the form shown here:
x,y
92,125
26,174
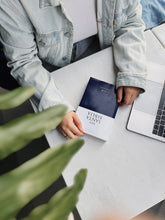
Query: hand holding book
x,y
71,126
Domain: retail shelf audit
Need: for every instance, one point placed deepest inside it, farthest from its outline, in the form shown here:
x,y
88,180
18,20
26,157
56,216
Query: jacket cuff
x,y
44,104
133,80
52,97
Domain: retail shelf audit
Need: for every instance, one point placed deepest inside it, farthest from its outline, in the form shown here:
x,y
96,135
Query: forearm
x,y
28,71
130,51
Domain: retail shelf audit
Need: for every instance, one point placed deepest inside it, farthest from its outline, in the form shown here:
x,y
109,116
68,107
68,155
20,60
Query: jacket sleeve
x,y
18,39
130,49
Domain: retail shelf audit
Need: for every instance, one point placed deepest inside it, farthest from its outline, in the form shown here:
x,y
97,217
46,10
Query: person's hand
x,y
127,95
71,126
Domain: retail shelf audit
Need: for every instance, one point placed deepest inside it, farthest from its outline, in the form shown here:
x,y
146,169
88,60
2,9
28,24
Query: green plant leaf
x,y
15,97
21,185
62,203
19,132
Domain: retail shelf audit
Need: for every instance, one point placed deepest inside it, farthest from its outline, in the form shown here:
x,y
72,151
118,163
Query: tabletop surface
x,y
127,172
159,32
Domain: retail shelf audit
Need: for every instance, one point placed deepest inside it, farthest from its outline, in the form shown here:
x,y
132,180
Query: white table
x,y
159,32
126,173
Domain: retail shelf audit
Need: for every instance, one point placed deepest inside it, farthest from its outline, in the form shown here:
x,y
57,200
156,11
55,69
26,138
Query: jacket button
x,y
67,34
41,42
64,58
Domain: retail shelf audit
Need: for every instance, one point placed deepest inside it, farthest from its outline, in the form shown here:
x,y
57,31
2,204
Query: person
x,y
38,37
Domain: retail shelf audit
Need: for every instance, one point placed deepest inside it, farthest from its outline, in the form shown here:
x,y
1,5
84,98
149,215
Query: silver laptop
x,y
147,115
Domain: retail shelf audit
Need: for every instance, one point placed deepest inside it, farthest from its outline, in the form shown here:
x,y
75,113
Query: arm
x,y
17,36
129,55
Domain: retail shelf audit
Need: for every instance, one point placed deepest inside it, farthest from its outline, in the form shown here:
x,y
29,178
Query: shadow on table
x,y
156,211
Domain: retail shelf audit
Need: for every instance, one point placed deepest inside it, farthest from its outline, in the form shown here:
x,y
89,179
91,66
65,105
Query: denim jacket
x,y
35,30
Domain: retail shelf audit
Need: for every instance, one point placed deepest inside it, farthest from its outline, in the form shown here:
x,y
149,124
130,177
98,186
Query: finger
x,y
78,122
134,95
127,99
71,135
76,131
62,132
119,94
70,130
132,99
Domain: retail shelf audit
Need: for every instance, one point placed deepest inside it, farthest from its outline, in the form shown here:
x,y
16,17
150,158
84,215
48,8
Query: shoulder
x,y
13,14
11,6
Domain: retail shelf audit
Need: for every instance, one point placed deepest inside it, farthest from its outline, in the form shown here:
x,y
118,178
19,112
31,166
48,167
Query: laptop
x,y
147,115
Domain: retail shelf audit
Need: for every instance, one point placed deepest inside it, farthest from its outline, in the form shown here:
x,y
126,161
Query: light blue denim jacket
x,y
35,30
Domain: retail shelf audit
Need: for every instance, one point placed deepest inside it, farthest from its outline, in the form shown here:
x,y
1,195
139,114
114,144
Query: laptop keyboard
x,y
159,125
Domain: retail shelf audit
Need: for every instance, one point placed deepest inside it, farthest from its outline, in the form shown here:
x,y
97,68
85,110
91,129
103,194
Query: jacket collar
x,y
49,3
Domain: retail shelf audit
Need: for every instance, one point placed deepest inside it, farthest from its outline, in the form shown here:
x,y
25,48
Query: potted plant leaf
x,y
22,184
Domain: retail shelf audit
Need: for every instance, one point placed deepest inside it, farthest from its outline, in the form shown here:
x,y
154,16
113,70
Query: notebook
x,y
147,115
97,109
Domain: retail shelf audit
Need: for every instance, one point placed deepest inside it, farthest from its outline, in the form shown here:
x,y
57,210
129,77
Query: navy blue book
x,y
98,108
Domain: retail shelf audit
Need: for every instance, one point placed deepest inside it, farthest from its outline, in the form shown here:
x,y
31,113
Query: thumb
x,y
77,122
119,94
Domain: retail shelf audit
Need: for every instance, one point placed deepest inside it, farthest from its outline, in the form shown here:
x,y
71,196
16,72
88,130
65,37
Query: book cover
x,y
98,108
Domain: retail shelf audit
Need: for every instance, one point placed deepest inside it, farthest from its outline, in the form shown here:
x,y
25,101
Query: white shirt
x,y
83,16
